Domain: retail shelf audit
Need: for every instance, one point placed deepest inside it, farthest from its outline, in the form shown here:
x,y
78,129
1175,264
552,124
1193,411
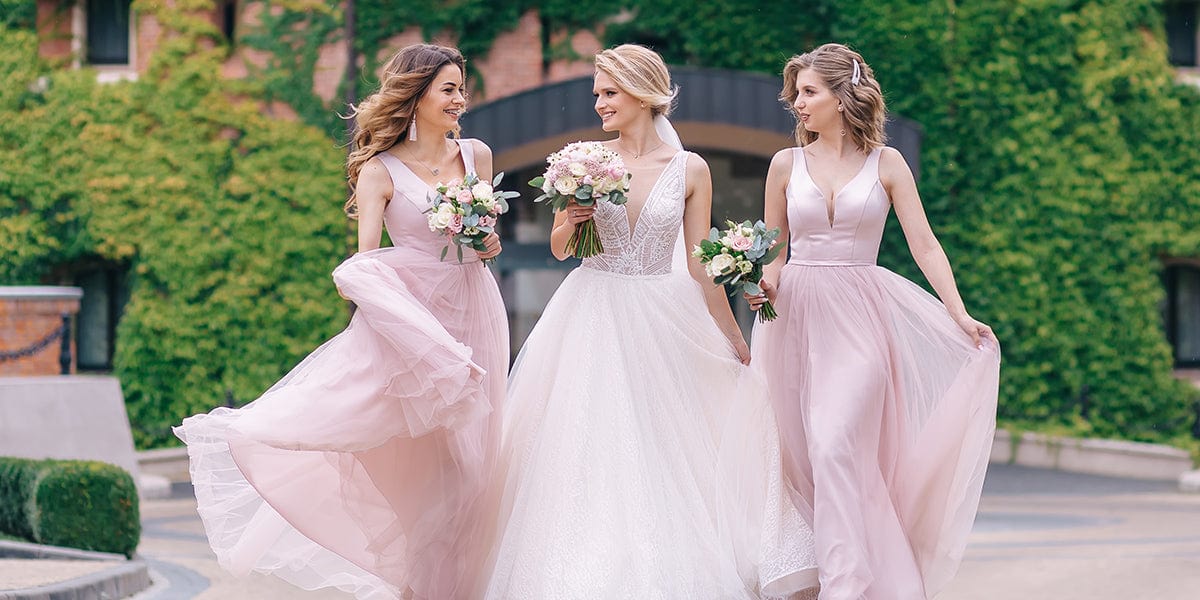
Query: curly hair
x,y
862,100
641,73
383,118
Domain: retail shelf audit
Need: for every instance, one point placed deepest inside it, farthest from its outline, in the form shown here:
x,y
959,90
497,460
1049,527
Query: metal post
x,y
64,356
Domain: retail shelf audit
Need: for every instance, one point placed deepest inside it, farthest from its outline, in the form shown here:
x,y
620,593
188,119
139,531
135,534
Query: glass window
x,y
1183,313
1181,32
108,32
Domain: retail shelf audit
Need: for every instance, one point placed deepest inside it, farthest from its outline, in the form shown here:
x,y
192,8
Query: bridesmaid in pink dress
x,y
886,397
368,467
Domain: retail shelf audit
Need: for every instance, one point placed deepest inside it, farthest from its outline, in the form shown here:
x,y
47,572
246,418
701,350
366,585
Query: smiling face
x,y
617,109
445,100
815,104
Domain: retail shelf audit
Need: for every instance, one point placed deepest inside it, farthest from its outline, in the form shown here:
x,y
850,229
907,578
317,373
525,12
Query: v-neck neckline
x,y
632,226
831,201
432,190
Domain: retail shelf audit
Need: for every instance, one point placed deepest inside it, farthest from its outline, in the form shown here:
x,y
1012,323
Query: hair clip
x,y
854,79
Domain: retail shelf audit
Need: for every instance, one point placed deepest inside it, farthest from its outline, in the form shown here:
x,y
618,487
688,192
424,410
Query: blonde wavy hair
x,y
862,101
382,119
641,73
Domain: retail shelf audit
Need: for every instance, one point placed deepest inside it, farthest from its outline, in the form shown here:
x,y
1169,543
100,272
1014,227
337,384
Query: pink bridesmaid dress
x,y
368,467
886,407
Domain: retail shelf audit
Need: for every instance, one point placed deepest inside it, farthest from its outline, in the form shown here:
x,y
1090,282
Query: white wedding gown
x,y
642,458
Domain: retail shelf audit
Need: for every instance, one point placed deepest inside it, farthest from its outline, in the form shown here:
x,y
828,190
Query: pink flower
x,y
487,221
740,242
455,224
465,196
616,171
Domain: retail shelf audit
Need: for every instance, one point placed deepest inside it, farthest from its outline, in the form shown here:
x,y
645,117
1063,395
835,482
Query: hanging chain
x,y
6,355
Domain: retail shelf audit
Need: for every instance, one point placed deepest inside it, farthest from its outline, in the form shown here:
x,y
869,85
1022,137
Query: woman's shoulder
x,y
477,145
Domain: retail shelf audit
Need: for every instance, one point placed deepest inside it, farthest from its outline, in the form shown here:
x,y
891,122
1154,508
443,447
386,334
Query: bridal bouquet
x,y
466,210
588,173
735,258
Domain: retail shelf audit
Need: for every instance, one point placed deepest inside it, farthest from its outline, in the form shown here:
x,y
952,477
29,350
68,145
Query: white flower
x,y
440,219
577,169
745,266
482,190
722,264
566,185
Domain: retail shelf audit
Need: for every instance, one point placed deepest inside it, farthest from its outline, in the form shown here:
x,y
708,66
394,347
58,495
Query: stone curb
x,y
120,581
1112,458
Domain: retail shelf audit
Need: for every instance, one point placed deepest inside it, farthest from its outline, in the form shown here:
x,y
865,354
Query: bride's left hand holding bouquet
x,y
587,173
466,211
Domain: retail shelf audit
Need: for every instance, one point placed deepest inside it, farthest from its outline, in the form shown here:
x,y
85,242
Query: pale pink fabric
x,y
886,408
368,467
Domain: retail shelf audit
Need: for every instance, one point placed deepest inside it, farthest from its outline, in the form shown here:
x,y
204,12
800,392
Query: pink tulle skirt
x,y
886,410
368,467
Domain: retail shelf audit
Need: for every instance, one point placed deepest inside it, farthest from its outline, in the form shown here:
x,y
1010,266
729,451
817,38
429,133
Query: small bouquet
x,y
735,258
588,173
466,211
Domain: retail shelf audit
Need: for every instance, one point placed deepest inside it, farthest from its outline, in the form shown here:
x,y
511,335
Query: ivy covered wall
x,y
1060,163
229,223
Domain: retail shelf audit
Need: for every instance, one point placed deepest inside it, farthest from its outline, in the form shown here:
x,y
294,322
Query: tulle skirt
x,y
642,458
368,467
887,412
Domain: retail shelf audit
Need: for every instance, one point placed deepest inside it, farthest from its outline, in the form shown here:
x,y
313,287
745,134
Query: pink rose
x,y
455,224
740,242
616,171
465,196
487,221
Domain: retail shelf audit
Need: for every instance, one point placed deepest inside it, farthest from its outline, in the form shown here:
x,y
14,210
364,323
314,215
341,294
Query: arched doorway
x,y
733,119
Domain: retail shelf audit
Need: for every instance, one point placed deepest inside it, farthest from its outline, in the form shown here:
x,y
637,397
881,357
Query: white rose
x,y
566,185
441,219
722,264
482,190
577,169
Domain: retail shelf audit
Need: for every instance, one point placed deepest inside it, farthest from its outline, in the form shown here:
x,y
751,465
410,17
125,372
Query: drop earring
x,y
412,128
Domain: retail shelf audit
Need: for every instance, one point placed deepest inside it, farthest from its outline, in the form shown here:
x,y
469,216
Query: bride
x,y
642,456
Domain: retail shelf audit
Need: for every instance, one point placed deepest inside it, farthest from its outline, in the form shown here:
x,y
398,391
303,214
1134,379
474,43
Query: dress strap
x,y
468,154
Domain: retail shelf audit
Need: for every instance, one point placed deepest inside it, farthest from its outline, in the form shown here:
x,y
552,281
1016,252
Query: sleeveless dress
x,y
368,466
886,408
642,457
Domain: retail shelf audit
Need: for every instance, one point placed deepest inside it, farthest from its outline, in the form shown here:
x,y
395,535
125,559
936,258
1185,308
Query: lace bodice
x,y
648,248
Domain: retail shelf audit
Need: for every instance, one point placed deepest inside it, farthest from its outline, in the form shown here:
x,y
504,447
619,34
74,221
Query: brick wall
x,y
27,315
514,64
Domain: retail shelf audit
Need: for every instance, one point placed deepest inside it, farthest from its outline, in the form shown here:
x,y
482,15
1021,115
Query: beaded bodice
x,y
647,247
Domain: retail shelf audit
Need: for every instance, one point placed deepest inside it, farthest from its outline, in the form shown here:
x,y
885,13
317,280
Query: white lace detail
x,y
647,250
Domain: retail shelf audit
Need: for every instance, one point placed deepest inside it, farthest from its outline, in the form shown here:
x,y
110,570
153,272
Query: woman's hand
x,y
577,214
770,292
975,329
492,241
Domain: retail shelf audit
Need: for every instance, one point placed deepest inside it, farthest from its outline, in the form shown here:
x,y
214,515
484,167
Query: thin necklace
x,y
636,155
421,162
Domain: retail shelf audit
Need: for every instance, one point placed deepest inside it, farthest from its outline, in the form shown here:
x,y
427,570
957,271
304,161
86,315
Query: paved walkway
x,y
1040,535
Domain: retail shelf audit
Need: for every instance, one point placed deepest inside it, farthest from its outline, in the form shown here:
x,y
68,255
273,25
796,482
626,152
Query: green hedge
x,y
88,505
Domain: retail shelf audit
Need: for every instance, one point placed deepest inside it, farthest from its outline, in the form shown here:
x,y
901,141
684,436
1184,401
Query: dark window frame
x,y
109,30
1171,276
1183,43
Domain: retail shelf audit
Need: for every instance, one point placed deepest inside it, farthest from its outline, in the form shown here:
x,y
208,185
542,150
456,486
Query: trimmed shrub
x,y
88,505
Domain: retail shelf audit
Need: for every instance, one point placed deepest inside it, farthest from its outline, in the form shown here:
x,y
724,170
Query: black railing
x,y
62,332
